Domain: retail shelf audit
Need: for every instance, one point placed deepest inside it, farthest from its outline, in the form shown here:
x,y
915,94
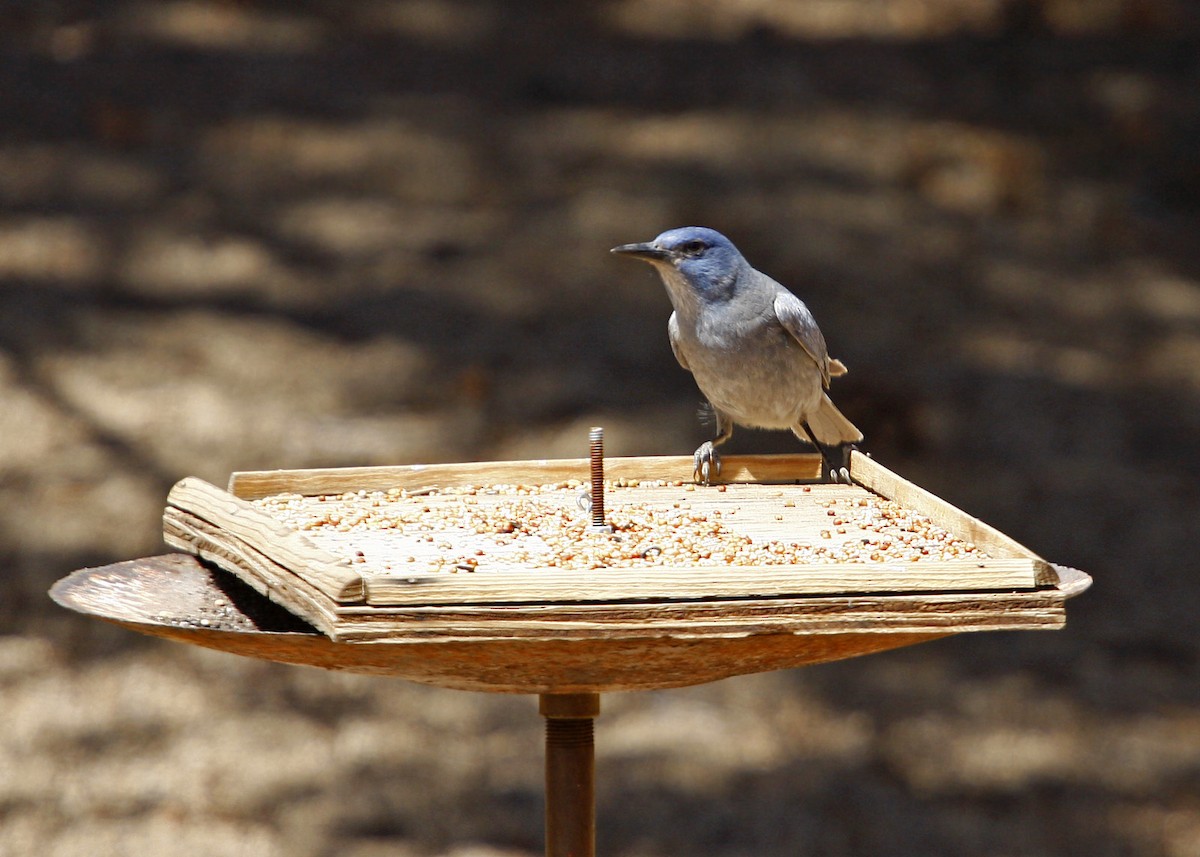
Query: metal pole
x,y
570,773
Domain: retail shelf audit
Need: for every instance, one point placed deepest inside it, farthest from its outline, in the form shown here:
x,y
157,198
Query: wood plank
x,y
874,476
798,621
692,583
268,578
253,485
815,607
328,573
798,617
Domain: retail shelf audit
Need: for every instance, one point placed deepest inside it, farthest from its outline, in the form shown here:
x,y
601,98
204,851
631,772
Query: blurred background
x,y
247,235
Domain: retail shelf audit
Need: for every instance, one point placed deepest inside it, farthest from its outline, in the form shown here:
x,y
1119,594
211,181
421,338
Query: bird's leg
x,y
707,462
835,458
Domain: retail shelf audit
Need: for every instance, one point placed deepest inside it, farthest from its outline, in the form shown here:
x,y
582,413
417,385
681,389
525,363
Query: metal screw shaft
x,y
596,454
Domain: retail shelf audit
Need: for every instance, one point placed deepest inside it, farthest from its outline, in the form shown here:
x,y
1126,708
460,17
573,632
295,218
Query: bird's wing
x,y
799,322
673,335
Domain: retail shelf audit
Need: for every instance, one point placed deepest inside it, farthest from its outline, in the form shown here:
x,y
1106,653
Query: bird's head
x,y
706,259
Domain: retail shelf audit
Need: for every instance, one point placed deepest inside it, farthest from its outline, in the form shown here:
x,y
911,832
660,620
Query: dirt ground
x,y
244,235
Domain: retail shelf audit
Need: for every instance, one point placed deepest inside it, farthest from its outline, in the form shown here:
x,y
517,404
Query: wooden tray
x,y
770,496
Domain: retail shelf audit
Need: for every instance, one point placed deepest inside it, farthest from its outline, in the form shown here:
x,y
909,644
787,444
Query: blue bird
x,y
752,346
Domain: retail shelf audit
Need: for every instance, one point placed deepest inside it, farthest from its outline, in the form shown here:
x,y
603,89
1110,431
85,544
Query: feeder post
x,y
570,773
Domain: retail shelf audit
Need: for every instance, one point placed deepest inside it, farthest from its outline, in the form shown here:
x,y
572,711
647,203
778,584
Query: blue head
x,y
705,259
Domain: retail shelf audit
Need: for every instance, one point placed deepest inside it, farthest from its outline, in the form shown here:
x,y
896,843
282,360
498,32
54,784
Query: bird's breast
x,y
753,370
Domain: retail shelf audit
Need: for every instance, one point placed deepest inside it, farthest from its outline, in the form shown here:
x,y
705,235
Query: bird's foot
x,y
707,463
835,463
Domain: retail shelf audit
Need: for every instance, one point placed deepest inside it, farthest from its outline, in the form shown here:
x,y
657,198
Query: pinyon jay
x,y
753,347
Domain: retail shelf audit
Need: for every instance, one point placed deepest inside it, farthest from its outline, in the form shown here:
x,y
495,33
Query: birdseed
x,y
476,528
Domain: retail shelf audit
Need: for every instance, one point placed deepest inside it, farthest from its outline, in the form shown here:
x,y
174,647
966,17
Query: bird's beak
x,y
646,252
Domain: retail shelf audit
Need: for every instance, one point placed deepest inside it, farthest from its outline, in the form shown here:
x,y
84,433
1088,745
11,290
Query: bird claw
x,y
835,464
707,463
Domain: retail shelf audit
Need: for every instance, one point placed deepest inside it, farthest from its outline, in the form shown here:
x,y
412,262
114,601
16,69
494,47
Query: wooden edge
x,y
549,585
810,606
259,572
1031,610
875,477
884,615
557,631
327,572
255,484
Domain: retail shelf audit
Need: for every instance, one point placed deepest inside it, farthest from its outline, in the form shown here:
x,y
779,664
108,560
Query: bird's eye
x,y
694,248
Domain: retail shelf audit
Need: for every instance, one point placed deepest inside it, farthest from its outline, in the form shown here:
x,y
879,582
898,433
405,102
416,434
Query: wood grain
x,y
254,568
252,485
246,525
541,585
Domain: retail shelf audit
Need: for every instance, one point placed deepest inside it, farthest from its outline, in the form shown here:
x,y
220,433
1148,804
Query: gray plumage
x,y
753,347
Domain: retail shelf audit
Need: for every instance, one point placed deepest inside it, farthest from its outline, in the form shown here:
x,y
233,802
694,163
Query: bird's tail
x,y
830,426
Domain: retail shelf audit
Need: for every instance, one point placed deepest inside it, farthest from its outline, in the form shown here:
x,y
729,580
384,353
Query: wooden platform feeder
x,y
498,577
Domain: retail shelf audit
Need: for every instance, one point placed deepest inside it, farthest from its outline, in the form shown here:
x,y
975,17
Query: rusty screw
x,y
596,455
